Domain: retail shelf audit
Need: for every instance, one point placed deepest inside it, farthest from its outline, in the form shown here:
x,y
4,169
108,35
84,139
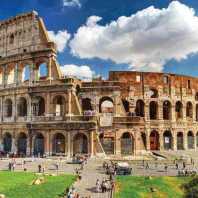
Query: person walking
x,y
97,186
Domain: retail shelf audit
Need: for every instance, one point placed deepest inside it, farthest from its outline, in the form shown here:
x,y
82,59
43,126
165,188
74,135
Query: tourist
x,y
97,186
184,165
177,166
9,166
103,186
147,165
39,168
165,167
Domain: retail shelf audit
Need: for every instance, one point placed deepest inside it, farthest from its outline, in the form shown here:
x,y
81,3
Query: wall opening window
x,y
189,84
165,79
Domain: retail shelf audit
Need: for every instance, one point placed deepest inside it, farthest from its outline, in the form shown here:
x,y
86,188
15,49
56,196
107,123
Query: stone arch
x,y
58,144
126,105
189,110
59,105
7,142
86,104
179,110
139,110
42,70
154,140
180,141
127,144
8,108
26,73
38,106
106,105
153,110
168,140
107,143
22,107
10,74
39,144
190,140
11,39
166,110
80,144
22,144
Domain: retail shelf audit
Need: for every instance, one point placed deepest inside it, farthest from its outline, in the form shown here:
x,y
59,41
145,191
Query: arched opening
x,y
22,144
190,140
59,106
139,110
22,107
153,93
107,144
8,108
189,110
127,144
106,105
7,143
59,144
80,144
43,71
196,112
26,73
166,110
11,76
39,145
77,89
179,110
126,105
180,141
12,39
38,106
143,136
86,105
153,110
168,140
154,140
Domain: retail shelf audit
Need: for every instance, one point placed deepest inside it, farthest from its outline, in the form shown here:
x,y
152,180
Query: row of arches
x,y
38,106
15,74
80,144
168,140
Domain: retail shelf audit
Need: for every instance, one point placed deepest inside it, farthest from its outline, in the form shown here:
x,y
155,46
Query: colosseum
x,y
43,112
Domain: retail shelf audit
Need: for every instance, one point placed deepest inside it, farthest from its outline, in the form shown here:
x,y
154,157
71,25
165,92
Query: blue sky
x,y
70,18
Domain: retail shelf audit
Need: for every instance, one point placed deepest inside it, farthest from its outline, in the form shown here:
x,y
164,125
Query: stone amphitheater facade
x,y
43,112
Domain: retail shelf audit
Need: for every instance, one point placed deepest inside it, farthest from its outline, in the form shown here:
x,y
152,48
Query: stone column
x,y
173,114
92,143
160,110
68,144
28,149
47,143
50,69
1,140
47,105
69,102
117,144
161,140
14,142
185,140
174,134
147,114
148,140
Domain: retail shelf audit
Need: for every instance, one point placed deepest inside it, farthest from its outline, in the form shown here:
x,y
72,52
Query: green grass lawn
x,y
140,187
18,185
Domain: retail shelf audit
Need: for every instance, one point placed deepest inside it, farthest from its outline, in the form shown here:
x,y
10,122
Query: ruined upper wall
x,y
154,79
22,34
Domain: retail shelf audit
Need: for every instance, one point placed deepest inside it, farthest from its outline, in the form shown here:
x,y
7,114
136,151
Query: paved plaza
x,y
93,170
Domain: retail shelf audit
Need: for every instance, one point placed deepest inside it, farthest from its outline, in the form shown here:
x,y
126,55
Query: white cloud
x,y
83,72
145,40
71,3
61,39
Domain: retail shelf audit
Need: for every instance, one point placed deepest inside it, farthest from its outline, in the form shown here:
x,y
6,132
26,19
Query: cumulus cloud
x,y
61,39
83,72
145,40
71,3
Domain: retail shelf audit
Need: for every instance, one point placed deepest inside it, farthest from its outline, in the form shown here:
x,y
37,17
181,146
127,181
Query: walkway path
x,y
86,186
